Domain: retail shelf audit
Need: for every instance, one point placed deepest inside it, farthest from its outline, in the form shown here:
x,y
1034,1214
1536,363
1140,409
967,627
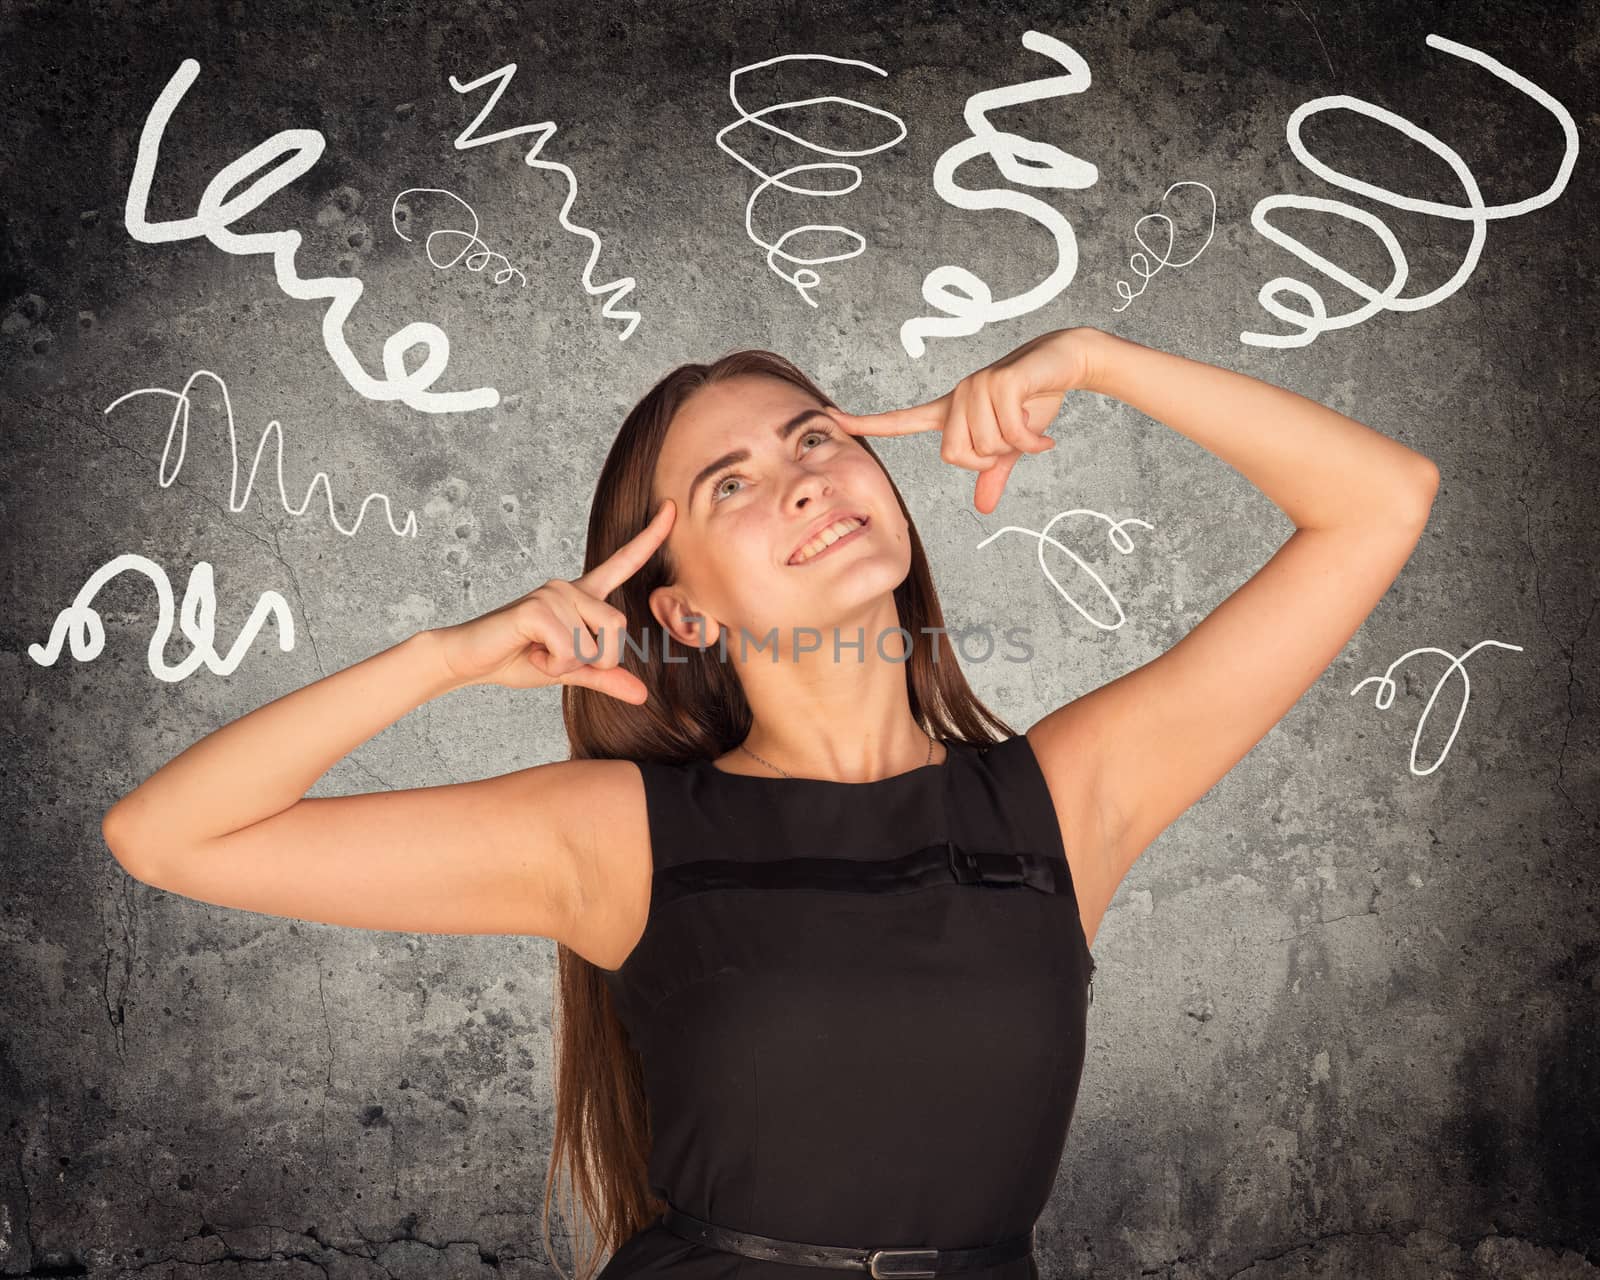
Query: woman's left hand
x,y
995,415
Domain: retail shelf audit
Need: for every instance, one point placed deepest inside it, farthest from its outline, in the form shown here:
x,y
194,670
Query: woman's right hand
x,y
529,642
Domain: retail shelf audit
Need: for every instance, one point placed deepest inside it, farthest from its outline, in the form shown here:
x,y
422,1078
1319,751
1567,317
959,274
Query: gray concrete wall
x,y
1345,1020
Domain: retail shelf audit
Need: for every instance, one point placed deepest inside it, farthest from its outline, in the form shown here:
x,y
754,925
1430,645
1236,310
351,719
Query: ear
x,y
678,616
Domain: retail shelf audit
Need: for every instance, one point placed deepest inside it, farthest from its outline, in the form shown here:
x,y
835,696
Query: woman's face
x,y
741,519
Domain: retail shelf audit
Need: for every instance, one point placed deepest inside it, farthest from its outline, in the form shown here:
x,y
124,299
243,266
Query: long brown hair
x,y
696,709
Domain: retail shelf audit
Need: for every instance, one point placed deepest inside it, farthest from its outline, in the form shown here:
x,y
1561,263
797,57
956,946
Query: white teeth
x,y
827,538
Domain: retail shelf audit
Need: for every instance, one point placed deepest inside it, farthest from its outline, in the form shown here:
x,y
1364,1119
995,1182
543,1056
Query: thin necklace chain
x,y
786,774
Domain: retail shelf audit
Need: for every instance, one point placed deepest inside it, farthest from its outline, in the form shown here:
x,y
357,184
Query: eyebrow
x,y
783,431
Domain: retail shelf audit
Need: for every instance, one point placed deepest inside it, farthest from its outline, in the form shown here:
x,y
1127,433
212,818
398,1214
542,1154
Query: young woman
x,y
823,920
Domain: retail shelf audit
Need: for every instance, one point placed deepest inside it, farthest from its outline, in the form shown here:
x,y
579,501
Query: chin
x,y
868,581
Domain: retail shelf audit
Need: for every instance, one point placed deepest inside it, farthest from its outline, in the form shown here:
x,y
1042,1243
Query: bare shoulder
x,y
611,861
1065,742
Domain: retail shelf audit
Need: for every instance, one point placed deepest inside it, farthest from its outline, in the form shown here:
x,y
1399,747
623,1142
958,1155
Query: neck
x,y
847,719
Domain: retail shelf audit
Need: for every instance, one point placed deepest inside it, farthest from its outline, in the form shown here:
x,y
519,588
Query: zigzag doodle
x,y
545,130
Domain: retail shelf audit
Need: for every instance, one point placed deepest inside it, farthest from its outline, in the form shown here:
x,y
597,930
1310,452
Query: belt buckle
x,y
976,867
962,863
891,1255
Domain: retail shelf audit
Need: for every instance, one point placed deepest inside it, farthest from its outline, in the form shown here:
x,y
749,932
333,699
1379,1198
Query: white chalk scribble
x,y
804,279
1457,666
80,624
1115,531
545,130
1317,321
964,298
179,426
1141,264
474,251
224,202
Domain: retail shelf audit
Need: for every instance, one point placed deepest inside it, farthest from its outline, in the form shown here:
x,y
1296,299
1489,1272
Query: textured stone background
x,y
1346,1016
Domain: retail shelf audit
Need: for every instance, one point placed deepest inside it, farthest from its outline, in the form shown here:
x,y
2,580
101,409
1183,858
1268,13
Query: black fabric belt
x,y
932,864
876,1262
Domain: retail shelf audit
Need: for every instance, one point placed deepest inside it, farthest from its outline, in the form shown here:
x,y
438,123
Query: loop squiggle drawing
x,y
1115,531
1317,321
1142,264
473,251
1384,699
804,279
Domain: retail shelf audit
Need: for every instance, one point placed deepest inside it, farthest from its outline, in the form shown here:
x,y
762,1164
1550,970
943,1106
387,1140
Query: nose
x,y
808,486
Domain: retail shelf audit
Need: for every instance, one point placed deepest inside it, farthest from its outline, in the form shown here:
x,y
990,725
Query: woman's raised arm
x,y
261,763
228,821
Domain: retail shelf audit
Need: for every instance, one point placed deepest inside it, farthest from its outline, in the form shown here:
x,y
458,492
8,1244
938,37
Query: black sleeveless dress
x,y
860,1010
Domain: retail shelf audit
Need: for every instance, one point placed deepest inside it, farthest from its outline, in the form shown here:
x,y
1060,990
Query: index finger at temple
x,y
898,422
631,556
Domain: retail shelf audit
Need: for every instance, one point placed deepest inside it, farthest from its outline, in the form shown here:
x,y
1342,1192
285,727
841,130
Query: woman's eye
x,y
717,491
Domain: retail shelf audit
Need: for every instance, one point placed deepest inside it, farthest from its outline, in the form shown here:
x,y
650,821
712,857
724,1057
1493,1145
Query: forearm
x,y
261,763
1321,468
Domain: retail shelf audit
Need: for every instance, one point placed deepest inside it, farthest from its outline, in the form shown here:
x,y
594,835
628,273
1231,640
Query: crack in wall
x,y
1567,651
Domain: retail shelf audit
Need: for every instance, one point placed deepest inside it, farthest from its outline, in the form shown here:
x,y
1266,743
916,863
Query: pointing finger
x,y
897,422
632,555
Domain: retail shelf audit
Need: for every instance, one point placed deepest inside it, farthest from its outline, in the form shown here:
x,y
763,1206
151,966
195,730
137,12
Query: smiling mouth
x,y
848,537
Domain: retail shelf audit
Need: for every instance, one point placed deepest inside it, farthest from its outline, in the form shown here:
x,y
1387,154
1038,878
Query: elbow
x,y
1428,469
123,845
1425,490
